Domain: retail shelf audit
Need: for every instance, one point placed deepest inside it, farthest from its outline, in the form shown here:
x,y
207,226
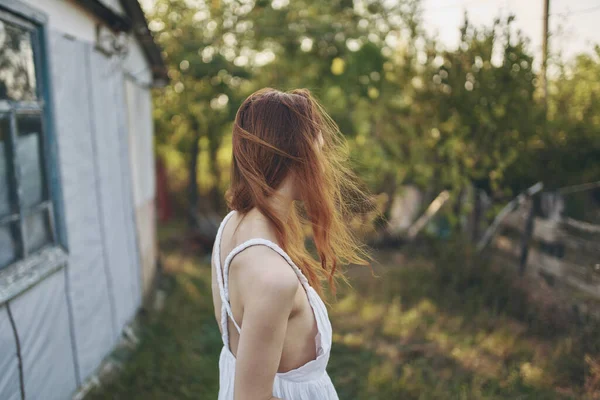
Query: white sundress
x,y
308,382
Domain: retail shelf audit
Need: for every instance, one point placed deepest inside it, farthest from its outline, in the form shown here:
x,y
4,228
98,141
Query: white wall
x,y
90,282
68,18
9,363
103,125
135,63
141,141
41,318
141,156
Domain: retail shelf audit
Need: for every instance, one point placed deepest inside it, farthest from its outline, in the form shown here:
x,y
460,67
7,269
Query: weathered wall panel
x,y
67,17
141,155
114,201
84,308
141,141
146,227
9,364
42,322
88,273
135,63
127,181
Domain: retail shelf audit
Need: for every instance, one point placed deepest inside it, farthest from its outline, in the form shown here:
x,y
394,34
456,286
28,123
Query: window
x,y
26,208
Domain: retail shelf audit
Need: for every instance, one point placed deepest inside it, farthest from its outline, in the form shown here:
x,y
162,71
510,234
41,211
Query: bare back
x,y
299,345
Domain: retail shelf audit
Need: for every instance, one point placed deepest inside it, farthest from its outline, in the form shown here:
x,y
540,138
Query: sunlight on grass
x,y
533,375
424,348
178,355
372,313
348,304
382,376
350,339
502,341
405,323
190,288
473,360
404,335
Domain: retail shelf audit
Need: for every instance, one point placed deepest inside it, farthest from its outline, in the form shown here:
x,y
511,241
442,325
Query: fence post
x,y
476,221
491,230
527,234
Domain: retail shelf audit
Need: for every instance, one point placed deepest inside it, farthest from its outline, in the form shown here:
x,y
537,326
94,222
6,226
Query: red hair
x,y
278,133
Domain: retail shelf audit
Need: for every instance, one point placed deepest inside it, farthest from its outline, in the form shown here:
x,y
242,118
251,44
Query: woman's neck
x,y
280,203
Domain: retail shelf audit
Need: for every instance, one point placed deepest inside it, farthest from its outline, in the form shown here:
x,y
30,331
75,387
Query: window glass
x,y
29,129
26,212
4,194
37,231
17,68
8,244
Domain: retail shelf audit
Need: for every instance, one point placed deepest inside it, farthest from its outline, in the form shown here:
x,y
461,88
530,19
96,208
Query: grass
x,y
449,329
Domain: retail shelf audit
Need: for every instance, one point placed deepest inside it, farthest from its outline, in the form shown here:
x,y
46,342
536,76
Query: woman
x,y
288,172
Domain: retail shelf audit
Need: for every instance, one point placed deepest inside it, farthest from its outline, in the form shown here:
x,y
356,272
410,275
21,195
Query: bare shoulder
x,y
263,270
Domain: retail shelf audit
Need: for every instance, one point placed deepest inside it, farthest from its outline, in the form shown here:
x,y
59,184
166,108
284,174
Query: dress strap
x,y
271,245
225,306
223,273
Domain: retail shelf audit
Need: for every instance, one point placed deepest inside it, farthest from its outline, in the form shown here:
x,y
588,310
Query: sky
x,y
576,20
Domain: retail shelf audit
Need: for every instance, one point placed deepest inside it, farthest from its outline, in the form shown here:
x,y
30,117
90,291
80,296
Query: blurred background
x,y
474,124
451,109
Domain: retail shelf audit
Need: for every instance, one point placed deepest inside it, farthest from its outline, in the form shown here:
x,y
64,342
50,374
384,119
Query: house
x,y
77,187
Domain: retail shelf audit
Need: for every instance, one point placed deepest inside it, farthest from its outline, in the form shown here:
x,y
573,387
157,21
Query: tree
x,y
206,88
412,112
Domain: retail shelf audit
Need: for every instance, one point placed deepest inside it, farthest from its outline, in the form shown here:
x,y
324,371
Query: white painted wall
x,y
135,63
141,141
104,134
68,18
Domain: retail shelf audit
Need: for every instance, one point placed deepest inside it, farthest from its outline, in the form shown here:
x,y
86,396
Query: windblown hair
x,y
276,134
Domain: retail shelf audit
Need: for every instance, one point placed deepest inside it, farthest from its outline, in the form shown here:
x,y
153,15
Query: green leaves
x,y
443,117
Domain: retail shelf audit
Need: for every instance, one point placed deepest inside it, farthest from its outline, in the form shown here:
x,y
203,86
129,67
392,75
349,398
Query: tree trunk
x,y
527,234
477,211
215,194
389,188
193,174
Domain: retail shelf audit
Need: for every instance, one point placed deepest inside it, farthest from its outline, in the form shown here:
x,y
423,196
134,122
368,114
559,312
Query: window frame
x,y
29,269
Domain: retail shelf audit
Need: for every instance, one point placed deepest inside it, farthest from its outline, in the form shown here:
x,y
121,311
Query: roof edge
x,y
116,22
151,50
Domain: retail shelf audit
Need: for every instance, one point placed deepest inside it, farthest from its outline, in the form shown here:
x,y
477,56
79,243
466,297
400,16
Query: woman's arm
x,y
267,286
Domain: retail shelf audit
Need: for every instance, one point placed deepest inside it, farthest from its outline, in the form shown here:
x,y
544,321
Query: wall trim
x,y
24,274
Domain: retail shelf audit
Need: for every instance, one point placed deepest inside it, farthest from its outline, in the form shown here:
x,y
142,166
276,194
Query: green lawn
x,y
420,330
